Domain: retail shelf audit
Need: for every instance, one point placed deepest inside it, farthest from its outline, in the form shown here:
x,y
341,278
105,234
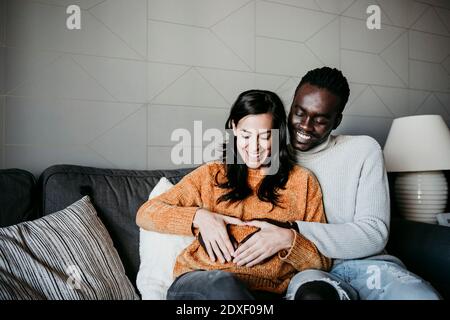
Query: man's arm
x,y
368,233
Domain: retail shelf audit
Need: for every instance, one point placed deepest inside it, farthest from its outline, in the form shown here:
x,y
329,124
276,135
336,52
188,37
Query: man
x,y
355,191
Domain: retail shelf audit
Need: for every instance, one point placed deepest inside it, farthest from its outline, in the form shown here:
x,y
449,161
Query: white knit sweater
x,y
355,190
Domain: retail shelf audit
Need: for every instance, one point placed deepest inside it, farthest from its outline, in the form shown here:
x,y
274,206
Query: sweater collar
x,y
327,144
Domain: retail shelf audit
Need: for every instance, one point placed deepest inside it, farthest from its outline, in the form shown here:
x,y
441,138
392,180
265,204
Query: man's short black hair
x,y
330,79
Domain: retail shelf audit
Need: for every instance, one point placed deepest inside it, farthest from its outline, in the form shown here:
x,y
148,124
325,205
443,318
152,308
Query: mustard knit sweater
x,y
174,211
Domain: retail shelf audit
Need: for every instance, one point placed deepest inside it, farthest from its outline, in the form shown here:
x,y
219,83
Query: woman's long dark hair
x,y
254,102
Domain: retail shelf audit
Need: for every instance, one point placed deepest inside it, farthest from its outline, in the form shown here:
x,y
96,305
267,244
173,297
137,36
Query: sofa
x,y
117,194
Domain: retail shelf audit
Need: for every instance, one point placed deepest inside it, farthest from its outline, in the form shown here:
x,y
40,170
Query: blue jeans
x,y
213,285
368,279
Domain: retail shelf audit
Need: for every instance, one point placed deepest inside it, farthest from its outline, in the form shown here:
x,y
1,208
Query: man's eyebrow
x,y
297,106
323,115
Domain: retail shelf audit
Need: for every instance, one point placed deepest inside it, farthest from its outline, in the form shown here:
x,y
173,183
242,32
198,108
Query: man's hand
x,y
268,241
212,227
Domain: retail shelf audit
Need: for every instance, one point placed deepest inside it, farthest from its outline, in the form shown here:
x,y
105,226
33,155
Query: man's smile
x,y
301,136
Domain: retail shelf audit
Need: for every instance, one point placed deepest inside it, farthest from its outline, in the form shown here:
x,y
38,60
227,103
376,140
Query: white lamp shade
x,y
418,143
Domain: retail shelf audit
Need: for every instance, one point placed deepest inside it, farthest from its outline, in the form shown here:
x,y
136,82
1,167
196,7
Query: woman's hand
x,y
268,241
212,227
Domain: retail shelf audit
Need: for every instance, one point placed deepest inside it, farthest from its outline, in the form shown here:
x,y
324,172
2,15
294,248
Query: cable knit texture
x,y
354,183
174,211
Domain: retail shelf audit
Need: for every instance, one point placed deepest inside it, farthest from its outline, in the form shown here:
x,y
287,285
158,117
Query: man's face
x,y
314,114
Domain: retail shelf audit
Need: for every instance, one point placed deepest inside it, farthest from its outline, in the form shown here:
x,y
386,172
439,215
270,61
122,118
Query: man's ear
x,y
338,121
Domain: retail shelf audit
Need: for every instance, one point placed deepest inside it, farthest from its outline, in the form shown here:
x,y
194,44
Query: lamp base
x,y
421,195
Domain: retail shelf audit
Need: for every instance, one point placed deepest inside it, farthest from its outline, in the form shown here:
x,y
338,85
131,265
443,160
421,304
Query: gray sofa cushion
x,y
115,194
17,196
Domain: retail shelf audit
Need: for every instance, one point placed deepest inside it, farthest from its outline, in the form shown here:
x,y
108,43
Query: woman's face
x,y
254,139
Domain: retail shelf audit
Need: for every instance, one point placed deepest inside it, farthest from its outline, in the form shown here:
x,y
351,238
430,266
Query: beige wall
x,y
110,94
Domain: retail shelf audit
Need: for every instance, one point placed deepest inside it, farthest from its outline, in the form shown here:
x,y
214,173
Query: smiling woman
x,y
238,254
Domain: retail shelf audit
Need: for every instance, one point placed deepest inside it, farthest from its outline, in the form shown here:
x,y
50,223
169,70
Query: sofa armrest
x,y
18,197
424,249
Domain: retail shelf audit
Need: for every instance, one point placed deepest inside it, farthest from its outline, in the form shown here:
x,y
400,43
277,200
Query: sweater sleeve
x,y
174,210
368,233
303,254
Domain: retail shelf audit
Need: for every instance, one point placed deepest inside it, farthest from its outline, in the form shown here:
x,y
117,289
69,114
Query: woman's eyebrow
x,y
260,131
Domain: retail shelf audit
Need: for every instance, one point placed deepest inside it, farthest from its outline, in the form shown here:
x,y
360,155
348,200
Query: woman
x,y
218,201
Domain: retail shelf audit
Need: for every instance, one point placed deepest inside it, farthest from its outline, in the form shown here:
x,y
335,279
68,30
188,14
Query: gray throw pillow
x,y
65,255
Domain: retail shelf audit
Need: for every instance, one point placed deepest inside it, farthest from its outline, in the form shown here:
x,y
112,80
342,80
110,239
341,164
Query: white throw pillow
x,y
158,253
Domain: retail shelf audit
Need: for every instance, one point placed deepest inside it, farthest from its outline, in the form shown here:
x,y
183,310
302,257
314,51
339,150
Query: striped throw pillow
x,y
65,255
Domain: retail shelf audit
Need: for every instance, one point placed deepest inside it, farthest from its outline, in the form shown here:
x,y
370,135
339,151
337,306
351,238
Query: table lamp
x,y
418,148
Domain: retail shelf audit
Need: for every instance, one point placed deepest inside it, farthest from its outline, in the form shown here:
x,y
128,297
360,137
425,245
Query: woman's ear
x,y
234,128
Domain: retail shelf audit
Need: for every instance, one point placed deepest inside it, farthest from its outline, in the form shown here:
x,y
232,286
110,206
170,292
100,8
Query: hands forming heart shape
x,y
243,243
